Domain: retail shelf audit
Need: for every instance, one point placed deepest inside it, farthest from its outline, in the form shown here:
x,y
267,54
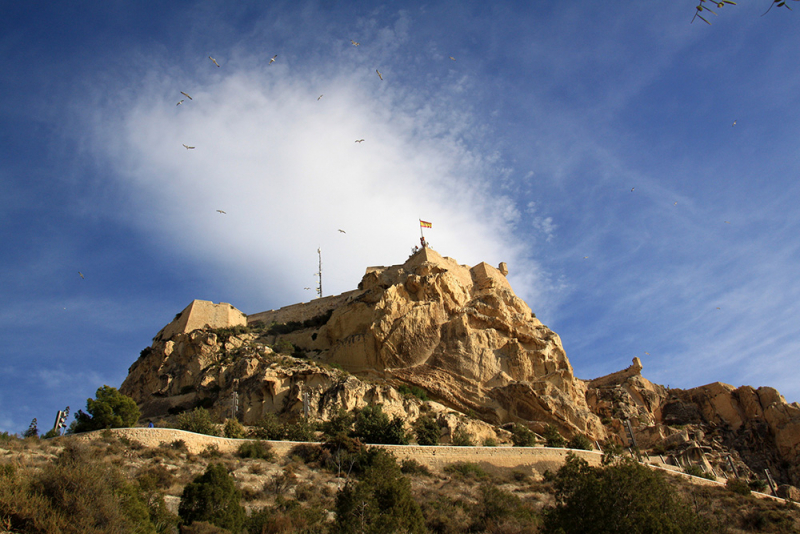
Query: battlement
x,y
203,314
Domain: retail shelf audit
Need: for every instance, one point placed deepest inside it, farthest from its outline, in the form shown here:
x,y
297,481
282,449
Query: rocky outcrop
x,y
463,337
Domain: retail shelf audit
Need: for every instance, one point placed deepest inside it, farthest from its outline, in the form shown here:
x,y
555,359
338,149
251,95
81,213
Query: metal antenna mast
x,y
319,273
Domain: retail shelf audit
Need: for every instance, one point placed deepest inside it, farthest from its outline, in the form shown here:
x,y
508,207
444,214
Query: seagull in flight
x,y
187,96
214,60
734,124
359,140
342,231
222,212
727,222
273,59
379,74
451,57
179,103
354,43
632,188
82,278
320,96
188,147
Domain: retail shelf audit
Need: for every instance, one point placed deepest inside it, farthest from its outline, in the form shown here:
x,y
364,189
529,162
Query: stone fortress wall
x,y
204,313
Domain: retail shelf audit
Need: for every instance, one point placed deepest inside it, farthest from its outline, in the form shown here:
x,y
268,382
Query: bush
x,y
341,423
75,493
233,429
111,409
626,497
374,426
522,436
33,430
737,485
302,430
413,467
197,421
413,391
497,507
256,449
490,442
426,428
380,502
268,427
579,441
466,470
461,437
213,497
697,471
552,437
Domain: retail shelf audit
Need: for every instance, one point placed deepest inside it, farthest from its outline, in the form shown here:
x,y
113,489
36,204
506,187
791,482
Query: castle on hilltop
x,y
205,314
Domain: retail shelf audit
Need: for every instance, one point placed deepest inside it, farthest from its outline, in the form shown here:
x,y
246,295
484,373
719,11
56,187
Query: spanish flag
x,y
423,224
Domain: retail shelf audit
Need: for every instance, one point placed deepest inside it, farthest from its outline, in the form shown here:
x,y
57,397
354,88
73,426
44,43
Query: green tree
x,y
522,436
341,423
552,437
33,430
426,428
625,497
461,437
580,441
269,427
233,429
197,421
213,497
374,426
381,502
111,409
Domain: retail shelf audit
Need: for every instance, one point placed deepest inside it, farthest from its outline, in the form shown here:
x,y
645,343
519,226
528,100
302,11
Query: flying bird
x,y
179,103
379,74
188,147
320,96
359,140
187,96
273,59
727,222
647,353
734,124
675,204
717,307
586,257
342,231
354,43
214,60
451,57
308,288
82,278
222,212
632,188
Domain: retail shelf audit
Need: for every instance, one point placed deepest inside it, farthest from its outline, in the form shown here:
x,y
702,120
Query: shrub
x,y
426,428
413,467
757,485
306,452
522,436
302,430
341,423
697,471
580,441
497,507
380,502
461,437
413,391
490,442
111,409
626,497
552,437
33,430
737,485
374,426
466,470
268,427
233,429
197,421
213,497
256,449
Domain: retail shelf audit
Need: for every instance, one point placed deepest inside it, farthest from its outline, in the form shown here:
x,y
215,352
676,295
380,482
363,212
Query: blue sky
x,y
591,145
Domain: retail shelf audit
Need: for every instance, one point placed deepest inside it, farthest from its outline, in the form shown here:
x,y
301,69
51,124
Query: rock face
x,y
461,335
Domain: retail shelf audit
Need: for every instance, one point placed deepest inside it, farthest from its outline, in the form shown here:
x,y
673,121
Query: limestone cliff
x,y
460,334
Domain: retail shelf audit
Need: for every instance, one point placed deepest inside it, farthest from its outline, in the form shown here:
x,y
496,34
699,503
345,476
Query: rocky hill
x,y
472,351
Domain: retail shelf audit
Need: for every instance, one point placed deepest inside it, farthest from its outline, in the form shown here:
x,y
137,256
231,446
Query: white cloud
x,y
286,169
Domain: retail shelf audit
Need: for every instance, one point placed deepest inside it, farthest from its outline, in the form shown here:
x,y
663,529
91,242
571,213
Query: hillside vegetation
x,y
118,485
